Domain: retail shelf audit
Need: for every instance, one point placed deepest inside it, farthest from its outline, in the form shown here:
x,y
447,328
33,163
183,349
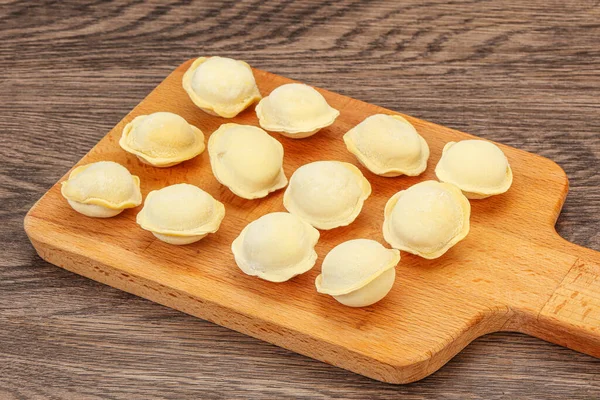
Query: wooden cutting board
x,y
513,272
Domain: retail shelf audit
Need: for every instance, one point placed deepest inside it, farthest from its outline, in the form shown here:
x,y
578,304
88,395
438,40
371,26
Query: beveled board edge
x,y
51,248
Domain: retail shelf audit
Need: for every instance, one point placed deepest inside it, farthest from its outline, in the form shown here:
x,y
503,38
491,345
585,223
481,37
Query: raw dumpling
x,y
162,139
180,214
246,160
427,219
102,189
388,145
295,110
327,194
221,86
358,273
276,247
477,167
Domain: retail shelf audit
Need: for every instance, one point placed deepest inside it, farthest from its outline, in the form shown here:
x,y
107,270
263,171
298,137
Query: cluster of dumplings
x,y
426,219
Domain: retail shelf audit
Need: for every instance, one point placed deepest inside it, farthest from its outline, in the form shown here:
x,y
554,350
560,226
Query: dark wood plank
x,y
522,73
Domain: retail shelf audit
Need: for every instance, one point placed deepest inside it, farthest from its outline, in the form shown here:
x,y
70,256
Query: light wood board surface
x,y
523,74
512,272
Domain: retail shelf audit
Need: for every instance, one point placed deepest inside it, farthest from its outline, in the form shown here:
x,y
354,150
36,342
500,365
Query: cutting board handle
x,y
571,316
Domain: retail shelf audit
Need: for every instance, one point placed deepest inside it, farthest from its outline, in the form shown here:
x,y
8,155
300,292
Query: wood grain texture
x,y
524,74
512,272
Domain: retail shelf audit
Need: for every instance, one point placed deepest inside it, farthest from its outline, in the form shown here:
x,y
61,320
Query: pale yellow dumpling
x,y
102,189
246,160
276,247
327,194
221,86
427,219
358,273
295,110
388,145
162,139
477,167
181,214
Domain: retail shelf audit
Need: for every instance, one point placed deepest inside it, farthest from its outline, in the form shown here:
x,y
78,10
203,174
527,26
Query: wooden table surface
x,y
523,73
